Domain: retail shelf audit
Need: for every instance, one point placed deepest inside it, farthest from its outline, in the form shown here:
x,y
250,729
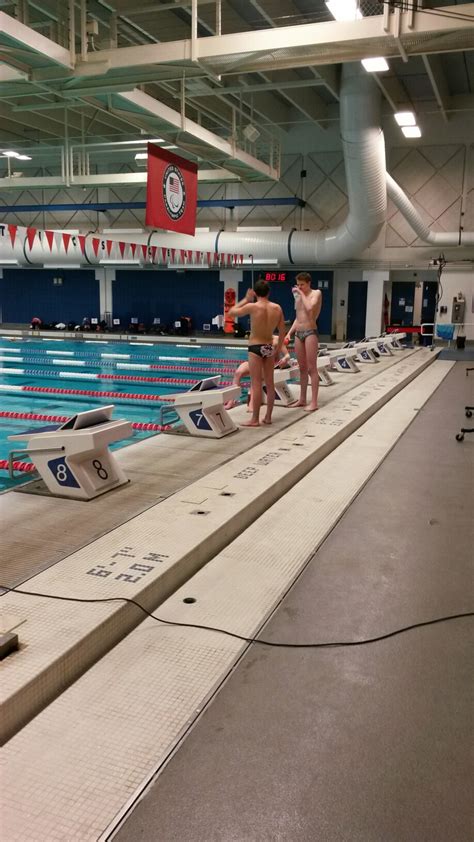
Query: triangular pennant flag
x,y
12,229
50,238
183,255
95,245
229,260
133,248
172,252
144,250
109,244
66,239
121,247
216,257
198,256
30,236
153,250
190,255
208,258
241,258
82,243
164,254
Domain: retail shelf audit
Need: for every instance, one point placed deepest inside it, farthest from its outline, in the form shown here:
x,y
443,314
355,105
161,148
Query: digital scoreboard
x,y
275,276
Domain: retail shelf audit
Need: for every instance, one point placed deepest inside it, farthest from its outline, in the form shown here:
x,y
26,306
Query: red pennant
x,y
164,254
95,245
198,256
66,239
172,253
121,247
216,257
183,255
50,238
12,229
109,244
241,258
30,236
133,248
190,255
208,258
82,242
144,249
153,250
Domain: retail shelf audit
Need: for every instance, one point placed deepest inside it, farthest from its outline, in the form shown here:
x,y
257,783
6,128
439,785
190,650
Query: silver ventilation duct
x,y
407,209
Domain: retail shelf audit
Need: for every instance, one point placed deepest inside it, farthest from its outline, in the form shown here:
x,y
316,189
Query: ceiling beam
x,y
438,83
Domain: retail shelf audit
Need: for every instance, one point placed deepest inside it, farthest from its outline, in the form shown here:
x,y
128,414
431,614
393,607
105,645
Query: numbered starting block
x,y
395,340
342,359
324,365
202,409
285,393
74,459
367,351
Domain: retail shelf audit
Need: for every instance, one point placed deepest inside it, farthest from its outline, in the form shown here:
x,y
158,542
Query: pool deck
x,y
157,467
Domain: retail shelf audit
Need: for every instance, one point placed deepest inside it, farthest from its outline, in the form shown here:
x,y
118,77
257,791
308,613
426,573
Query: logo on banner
x,y
174,192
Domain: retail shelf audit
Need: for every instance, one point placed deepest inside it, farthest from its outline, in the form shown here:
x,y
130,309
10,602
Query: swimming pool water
x,y
98,366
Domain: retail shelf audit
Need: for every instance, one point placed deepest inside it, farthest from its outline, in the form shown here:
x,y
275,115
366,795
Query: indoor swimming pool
x,y
47,380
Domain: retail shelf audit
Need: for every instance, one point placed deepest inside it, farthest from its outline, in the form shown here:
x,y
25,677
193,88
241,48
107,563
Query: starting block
x,y
202,409
367,351
324,364
395,340
285,392
74,459
342,359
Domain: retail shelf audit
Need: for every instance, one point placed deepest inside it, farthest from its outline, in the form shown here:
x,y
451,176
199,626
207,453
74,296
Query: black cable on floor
x,y
327,645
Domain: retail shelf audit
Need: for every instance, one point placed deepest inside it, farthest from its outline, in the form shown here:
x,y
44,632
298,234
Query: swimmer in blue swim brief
x,y
308,304
265,318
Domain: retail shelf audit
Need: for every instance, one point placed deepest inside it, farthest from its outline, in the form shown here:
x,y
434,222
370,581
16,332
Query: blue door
x,y
356,310
429,301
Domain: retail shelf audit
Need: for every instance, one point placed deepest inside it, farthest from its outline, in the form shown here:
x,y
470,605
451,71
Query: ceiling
x,y
83,84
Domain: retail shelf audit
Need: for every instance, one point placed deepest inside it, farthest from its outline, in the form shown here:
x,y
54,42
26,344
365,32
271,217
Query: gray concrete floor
x,y
364,744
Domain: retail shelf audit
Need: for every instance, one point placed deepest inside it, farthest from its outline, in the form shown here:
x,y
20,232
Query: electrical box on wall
x,y
457,313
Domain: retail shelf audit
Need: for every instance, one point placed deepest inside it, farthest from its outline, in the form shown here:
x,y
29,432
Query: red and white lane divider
x,y
119,396
23,467
75,375
61,419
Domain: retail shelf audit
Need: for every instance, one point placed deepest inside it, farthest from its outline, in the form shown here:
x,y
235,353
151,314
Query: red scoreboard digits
x,y
275,276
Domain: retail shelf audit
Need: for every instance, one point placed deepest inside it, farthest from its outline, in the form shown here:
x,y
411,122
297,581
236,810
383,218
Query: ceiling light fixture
x,y
375,65
405,118
10,154
24,157
344,9
411,131
141,156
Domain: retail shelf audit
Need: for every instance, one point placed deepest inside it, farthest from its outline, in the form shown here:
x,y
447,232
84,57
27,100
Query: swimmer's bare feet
x,y
230,404
310,408
267,421
250,423
298,403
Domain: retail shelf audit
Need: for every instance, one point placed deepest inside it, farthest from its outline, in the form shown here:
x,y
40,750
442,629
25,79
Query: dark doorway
x,y
356,310
428,305
403,299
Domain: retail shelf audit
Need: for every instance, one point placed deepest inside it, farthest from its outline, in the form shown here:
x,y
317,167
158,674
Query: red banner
x,y
12,229
171,192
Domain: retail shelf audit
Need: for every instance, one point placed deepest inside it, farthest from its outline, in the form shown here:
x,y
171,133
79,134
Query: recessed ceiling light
x,y
405,118
344,9
375,65
411,131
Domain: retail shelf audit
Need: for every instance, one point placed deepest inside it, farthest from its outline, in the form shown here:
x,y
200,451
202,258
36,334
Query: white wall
x,y
454,281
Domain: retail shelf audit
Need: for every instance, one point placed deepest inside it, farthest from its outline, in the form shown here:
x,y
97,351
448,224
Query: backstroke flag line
x,y
171,192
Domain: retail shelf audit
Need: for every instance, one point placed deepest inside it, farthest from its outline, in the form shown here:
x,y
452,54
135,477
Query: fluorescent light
x,y
10,154
405,118
344,9
171,146
141,156
411,131
24,157
375,65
